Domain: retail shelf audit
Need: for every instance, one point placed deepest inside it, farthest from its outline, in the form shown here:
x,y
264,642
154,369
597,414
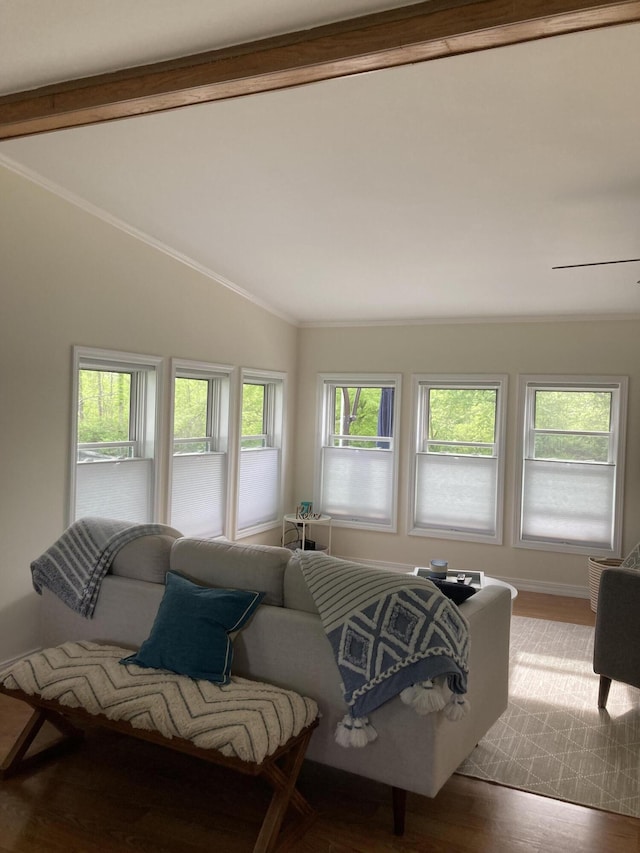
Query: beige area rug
x,y
552,740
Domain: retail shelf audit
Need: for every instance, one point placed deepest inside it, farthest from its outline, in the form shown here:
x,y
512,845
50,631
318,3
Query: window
x,y
572,463
199,481
261,451
357,465
115,435
458,465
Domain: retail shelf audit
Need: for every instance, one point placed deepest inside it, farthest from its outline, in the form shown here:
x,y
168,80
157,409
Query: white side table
x,y
486,580
302,525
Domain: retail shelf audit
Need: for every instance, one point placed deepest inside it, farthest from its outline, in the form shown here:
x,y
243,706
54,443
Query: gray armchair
x,y
616,653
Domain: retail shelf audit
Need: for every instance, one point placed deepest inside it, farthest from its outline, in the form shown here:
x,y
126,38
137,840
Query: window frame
x,y
219,433
146,422
528,385
422,384
326,385
274,437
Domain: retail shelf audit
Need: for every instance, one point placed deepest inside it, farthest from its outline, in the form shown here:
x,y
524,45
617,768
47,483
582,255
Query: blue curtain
x,y
385,416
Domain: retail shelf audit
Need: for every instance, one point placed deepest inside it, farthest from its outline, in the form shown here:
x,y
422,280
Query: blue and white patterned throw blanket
x,y
74,566
391,634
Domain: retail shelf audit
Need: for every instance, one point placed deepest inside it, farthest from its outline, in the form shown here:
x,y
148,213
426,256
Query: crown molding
x,y
475,320
136,233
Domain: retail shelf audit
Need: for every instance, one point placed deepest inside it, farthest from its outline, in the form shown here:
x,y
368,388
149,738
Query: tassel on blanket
x,y
355,731
457,708
425,697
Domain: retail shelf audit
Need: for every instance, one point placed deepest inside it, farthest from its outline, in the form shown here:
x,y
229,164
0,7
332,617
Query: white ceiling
x,y
442,190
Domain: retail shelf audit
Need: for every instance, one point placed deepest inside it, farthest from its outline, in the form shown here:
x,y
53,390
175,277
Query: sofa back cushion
x,y
146,558
232,565
296,591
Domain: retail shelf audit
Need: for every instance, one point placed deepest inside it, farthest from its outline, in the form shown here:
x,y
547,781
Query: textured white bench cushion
x,y
244,719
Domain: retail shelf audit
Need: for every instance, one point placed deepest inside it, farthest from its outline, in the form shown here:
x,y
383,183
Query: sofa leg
x,y
399,797
603,693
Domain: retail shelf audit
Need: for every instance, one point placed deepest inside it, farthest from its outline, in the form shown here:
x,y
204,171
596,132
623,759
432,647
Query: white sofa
x,y
284,643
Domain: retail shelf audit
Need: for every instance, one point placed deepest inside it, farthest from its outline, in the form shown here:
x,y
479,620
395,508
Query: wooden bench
x,y
280,768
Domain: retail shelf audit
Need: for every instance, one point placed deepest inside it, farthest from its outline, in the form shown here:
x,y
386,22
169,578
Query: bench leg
x,y
283,781
281,772
15,758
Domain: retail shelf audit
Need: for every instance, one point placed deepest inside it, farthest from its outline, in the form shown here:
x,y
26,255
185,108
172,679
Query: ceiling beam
x,y
416,33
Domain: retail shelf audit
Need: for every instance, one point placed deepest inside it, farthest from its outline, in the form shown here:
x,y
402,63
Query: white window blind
x,y
358,483
200,439
357,461
121,489
572,463
262,427
457,493
459,456
198,493
258,487
568,502
116,435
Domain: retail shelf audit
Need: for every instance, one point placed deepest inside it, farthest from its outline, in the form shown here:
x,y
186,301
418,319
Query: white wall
x,y
512,348
68,278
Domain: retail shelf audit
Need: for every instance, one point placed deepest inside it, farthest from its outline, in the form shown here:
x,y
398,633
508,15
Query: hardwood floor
x,y
555,607
119,795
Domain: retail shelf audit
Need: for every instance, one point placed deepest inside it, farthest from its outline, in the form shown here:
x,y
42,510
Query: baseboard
x,y
549,588
546,587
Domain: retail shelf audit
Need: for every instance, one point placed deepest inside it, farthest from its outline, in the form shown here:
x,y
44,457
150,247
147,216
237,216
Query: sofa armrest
x,y
416,753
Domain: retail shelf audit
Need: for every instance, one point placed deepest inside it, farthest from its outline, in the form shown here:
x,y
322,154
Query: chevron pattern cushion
x,y
245,719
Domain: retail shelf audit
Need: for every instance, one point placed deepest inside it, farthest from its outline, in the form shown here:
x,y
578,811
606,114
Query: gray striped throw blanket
x,y
74,566
391,634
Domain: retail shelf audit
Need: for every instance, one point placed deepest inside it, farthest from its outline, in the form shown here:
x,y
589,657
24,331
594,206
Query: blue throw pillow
x,y
190,634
